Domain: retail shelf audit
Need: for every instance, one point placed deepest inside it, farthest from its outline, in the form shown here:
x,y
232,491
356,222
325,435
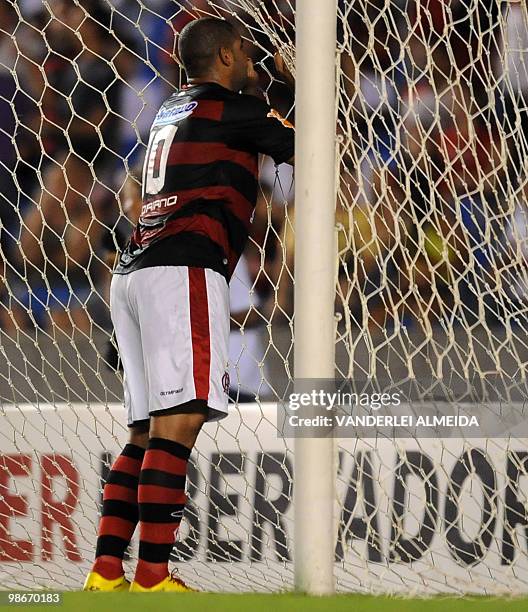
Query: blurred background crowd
x,y
433,113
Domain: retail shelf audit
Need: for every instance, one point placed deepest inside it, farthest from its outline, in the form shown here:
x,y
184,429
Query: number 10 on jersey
x,y
156,159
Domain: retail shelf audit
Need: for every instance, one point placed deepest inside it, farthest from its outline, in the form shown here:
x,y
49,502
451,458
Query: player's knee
x,y
182,428
139,435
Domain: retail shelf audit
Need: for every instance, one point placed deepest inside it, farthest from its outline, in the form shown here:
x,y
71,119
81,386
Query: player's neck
x,y
211,78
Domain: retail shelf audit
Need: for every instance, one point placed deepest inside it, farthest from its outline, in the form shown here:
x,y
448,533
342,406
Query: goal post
x,y
315,272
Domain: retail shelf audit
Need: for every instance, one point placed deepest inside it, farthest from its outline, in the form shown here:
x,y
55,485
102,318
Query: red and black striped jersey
x,y
200,178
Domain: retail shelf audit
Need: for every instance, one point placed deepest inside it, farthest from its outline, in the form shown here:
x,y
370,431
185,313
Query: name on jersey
x,y
174,114
158,204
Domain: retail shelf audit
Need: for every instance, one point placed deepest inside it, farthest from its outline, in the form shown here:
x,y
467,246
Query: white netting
x,y
431,224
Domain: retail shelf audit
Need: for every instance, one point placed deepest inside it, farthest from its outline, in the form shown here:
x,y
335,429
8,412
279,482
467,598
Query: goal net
x,y
431,293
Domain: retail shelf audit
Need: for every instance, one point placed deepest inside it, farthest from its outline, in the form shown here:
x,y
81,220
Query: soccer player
x,y
169,297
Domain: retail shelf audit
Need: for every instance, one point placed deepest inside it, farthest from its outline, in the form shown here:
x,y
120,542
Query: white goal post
x,y
315,277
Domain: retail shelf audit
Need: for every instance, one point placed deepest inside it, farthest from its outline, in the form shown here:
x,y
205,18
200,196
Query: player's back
x,y
200,179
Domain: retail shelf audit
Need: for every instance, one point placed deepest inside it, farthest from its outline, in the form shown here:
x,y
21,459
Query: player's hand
x,y
282,69
252,75
252,82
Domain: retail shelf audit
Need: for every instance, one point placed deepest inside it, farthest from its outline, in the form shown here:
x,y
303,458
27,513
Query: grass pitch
x,y
205,602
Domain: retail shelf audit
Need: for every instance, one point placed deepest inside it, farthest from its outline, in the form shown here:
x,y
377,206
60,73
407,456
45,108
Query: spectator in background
x,y
512,258
474,29
91,85
369,293
176,18
514,271
473,160
514,91
247,369
265,250
61,228
11,108
18,151
8,195
437,266
368,43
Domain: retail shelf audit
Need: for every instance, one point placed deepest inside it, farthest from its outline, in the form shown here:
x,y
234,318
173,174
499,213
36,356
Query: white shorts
x,y
172,330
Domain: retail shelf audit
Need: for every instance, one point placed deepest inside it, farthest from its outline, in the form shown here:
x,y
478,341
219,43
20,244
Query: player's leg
x,y
120,514
161,493
120,507
184,318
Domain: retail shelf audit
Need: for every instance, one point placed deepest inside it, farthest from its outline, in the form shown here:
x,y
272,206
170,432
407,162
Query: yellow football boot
x,y
170,584
95,582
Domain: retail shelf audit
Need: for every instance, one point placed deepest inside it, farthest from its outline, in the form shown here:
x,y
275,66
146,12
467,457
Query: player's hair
x,y
200,41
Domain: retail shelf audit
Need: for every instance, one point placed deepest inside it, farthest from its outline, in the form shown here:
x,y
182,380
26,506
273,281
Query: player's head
x,y
210,46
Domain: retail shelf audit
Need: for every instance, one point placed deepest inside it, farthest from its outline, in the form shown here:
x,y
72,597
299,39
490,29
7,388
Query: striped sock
x,y
120,512
161,497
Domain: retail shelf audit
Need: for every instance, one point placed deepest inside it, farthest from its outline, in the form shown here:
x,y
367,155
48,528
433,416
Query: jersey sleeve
x,y
261,129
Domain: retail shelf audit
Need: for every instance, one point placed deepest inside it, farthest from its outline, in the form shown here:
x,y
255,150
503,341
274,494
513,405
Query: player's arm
x,y
287,77
283,71
258,128
268,133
